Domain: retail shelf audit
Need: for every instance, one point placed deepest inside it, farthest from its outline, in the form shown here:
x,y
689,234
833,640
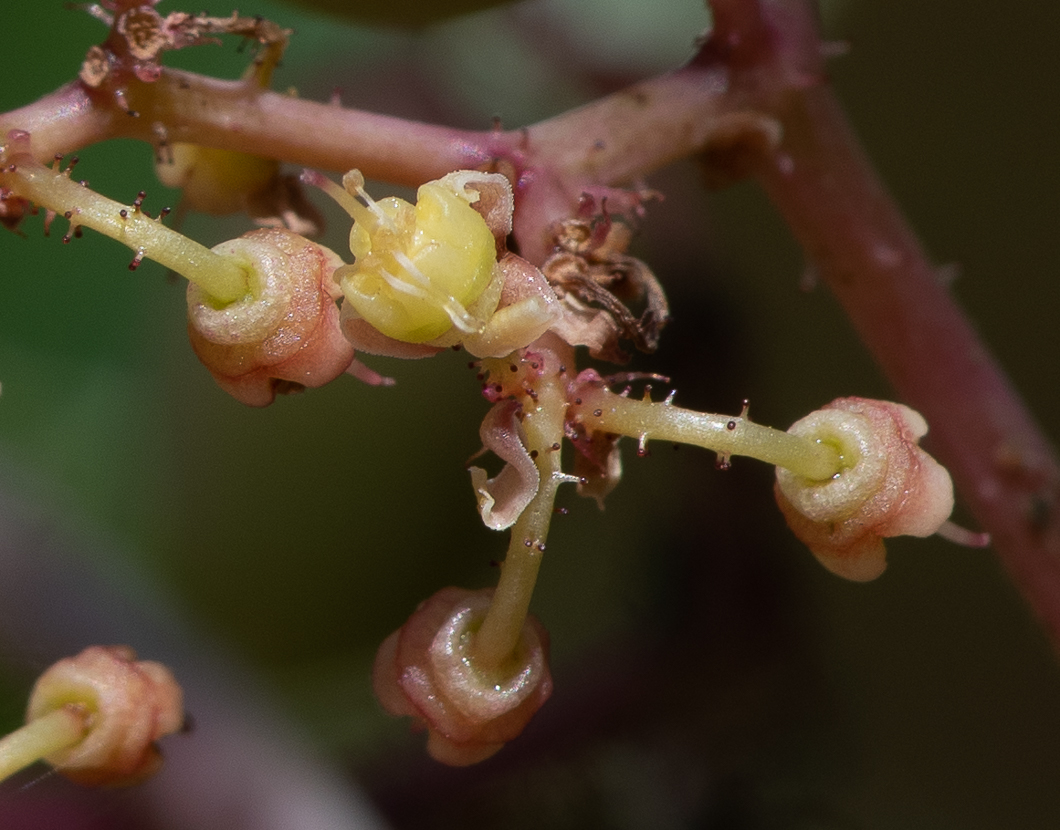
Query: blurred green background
x,y
709,672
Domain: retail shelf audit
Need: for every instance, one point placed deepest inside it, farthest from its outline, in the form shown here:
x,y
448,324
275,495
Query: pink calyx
x,y
427,670
285,334
887,486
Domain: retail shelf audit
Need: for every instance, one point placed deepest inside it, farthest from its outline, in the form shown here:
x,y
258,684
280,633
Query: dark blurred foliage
x,y
414,13
709,674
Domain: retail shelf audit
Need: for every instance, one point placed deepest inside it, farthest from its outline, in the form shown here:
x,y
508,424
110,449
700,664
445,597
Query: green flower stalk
x,y
262,309
848,475
223,279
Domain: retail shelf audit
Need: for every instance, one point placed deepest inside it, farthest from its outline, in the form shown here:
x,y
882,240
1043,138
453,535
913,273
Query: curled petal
x,y
285,334
427,670
502,499
130,704
888,486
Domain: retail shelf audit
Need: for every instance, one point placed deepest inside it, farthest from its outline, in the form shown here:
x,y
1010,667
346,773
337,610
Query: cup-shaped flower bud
x,y
128,705
886,486
427,670
284,334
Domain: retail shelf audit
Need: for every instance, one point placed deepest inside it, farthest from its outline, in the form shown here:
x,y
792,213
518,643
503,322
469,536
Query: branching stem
x,y
221,277
543,420
763,56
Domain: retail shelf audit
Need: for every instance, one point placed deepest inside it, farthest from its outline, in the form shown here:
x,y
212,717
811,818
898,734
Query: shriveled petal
x,y
494,199
583,325
502,499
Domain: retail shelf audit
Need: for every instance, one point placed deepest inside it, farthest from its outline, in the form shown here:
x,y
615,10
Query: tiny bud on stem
x,y
95,718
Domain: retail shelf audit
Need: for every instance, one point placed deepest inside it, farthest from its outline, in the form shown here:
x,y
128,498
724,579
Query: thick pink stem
x,y
850,227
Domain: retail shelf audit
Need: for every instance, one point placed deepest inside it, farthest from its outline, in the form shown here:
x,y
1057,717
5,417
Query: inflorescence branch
x,y
223,279
727,435
264,312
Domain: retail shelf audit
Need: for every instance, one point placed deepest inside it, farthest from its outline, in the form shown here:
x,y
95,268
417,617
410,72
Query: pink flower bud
x,y
285,334
427,670
129,704
887,486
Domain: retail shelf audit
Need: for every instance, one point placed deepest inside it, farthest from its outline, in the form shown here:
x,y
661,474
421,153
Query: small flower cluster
x,y
273,312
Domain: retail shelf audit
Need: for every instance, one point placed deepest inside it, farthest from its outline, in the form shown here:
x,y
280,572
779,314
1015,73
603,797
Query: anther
x,y
533,453
730,426
555,446
528,543
561,511
598,412
137,260
670,398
